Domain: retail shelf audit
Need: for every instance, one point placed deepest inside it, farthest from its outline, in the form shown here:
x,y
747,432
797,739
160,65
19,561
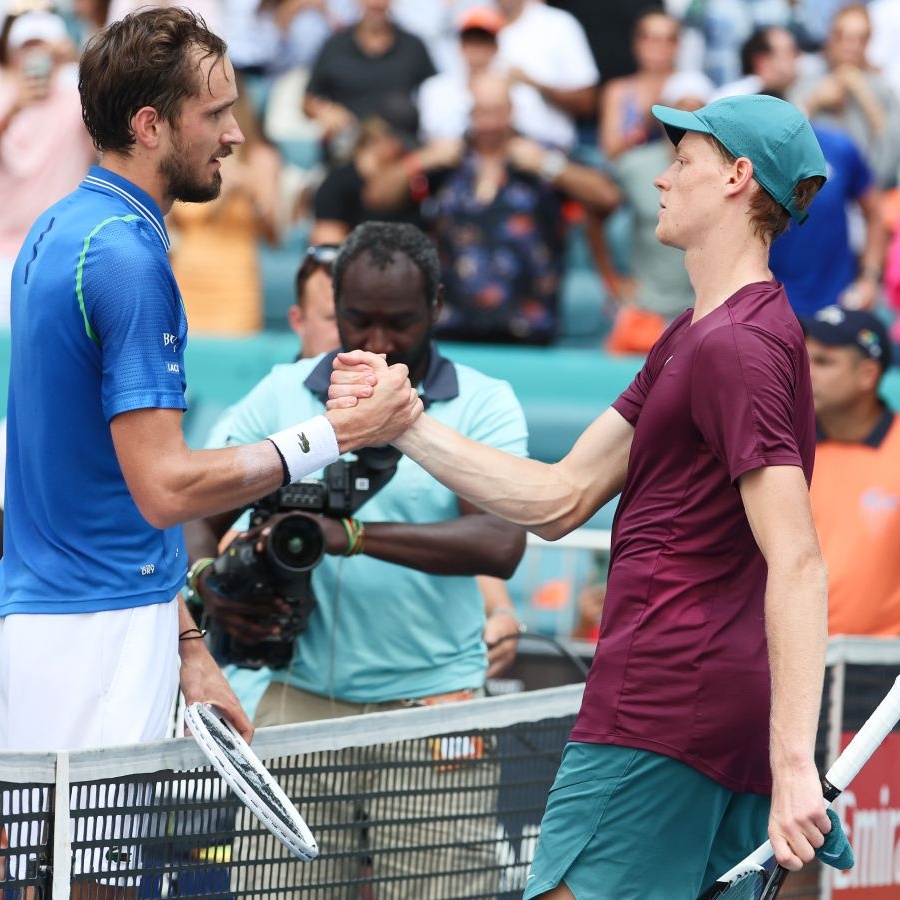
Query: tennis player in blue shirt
x,y
98,474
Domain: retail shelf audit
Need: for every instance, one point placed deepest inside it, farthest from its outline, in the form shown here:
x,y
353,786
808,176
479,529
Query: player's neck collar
x,y
140,201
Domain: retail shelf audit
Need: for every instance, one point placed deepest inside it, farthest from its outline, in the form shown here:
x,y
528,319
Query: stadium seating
x,y
278,268
562,389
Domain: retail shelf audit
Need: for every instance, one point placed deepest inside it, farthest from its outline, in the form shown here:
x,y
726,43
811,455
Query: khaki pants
x,y
415,819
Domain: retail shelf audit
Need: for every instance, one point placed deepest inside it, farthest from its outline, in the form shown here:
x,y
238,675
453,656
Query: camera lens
x,y
296,543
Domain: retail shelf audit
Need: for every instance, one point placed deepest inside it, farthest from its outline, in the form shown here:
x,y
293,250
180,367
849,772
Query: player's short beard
x,y
181,181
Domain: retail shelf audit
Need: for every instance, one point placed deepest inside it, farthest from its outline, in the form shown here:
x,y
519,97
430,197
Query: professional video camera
x,y
255,568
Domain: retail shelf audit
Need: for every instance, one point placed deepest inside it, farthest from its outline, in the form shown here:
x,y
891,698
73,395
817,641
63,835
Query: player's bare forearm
x,y
524,491
202,679
796,627
777,505
550,500
171,483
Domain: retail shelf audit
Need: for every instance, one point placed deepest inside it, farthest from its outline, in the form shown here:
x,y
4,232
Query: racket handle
x,y
866,741
846,767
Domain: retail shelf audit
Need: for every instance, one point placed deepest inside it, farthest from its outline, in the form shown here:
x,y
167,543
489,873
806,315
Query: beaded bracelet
x,y
355,533
196,570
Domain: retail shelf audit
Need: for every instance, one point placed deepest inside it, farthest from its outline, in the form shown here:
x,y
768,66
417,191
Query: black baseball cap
x,y
839,327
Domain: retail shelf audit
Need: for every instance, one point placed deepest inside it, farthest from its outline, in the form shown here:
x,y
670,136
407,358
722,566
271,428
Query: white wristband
x,y
307,447
553,165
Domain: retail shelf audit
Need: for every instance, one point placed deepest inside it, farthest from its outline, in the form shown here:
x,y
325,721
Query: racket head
x,y
243,771
746,881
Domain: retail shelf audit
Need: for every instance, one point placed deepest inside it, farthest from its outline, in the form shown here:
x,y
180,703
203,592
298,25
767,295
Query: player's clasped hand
x,y
354,377
360,375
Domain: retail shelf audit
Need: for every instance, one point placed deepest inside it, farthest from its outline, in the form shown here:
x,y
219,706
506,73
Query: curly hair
x,y
382,241
149,58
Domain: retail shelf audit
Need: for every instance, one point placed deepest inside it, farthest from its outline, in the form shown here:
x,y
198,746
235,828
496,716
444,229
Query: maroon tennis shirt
x,y
681,668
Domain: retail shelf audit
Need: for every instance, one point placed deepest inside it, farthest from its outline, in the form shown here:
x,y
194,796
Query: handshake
x,y
369,402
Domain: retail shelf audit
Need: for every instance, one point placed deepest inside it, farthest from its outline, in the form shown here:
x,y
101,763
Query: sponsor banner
x,y
870,812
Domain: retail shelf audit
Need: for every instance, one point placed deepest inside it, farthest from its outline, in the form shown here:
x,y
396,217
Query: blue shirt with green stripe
x,y
97,329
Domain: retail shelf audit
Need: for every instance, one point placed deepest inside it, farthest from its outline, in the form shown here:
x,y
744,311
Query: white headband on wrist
x,y
307,447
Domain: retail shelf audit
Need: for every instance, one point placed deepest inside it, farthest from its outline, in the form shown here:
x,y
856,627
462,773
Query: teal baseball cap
x,y
774,135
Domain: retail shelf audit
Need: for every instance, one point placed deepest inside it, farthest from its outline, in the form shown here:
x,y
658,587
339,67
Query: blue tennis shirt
x,y
97,329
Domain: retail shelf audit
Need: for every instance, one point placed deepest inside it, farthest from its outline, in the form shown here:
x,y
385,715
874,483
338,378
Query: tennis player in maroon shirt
x,y
699,718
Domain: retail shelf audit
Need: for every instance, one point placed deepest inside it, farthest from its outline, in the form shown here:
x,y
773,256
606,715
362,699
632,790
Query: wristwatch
x,y
553,164
871,273
189,592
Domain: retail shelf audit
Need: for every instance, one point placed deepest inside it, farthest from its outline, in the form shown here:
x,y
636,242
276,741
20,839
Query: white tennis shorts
x,y
87,680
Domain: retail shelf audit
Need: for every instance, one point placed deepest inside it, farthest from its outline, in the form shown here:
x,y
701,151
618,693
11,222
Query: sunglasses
x,y
321,256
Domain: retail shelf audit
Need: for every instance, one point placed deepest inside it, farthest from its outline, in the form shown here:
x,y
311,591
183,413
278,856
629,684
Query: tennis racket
x,y
244,773
757,877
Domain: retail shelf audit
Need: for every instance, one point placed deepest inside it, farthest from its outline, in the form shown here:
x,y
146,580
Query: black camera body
x,y
280,565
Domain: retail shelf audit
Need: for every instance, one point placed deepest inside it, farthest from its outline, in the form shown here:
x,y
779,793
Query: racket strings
x,y
745,887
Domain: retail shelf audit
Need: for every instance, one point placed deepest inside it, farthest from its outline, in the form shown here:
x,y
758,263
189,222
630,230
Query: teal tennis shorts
x,y
625,824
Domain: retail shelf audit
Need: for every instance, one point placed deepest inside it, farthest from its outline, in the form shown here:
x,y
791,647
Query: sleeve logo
x,y
303,440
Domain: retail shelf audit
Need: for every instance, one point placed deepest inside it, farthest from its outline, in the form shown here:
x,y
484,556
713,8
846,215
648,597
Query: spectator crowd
x,y
516,133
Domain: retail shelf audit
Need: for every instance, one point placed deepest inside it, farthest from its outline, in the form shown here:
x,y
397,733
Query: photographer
x,y
386,631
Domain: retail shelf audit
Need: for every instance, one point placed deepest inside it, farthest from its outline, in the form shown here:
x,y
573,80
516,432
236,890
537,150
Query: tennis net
x,y
438,802
429,803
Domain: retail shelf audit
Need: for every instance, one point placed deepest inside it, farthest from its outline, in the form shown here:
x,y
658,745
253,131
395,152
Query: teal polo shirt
x,y
380,631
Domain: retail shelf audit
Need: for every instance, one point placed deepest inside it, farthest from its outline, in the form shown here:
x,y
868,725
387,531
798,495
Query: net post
x,y
62,831
837,677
